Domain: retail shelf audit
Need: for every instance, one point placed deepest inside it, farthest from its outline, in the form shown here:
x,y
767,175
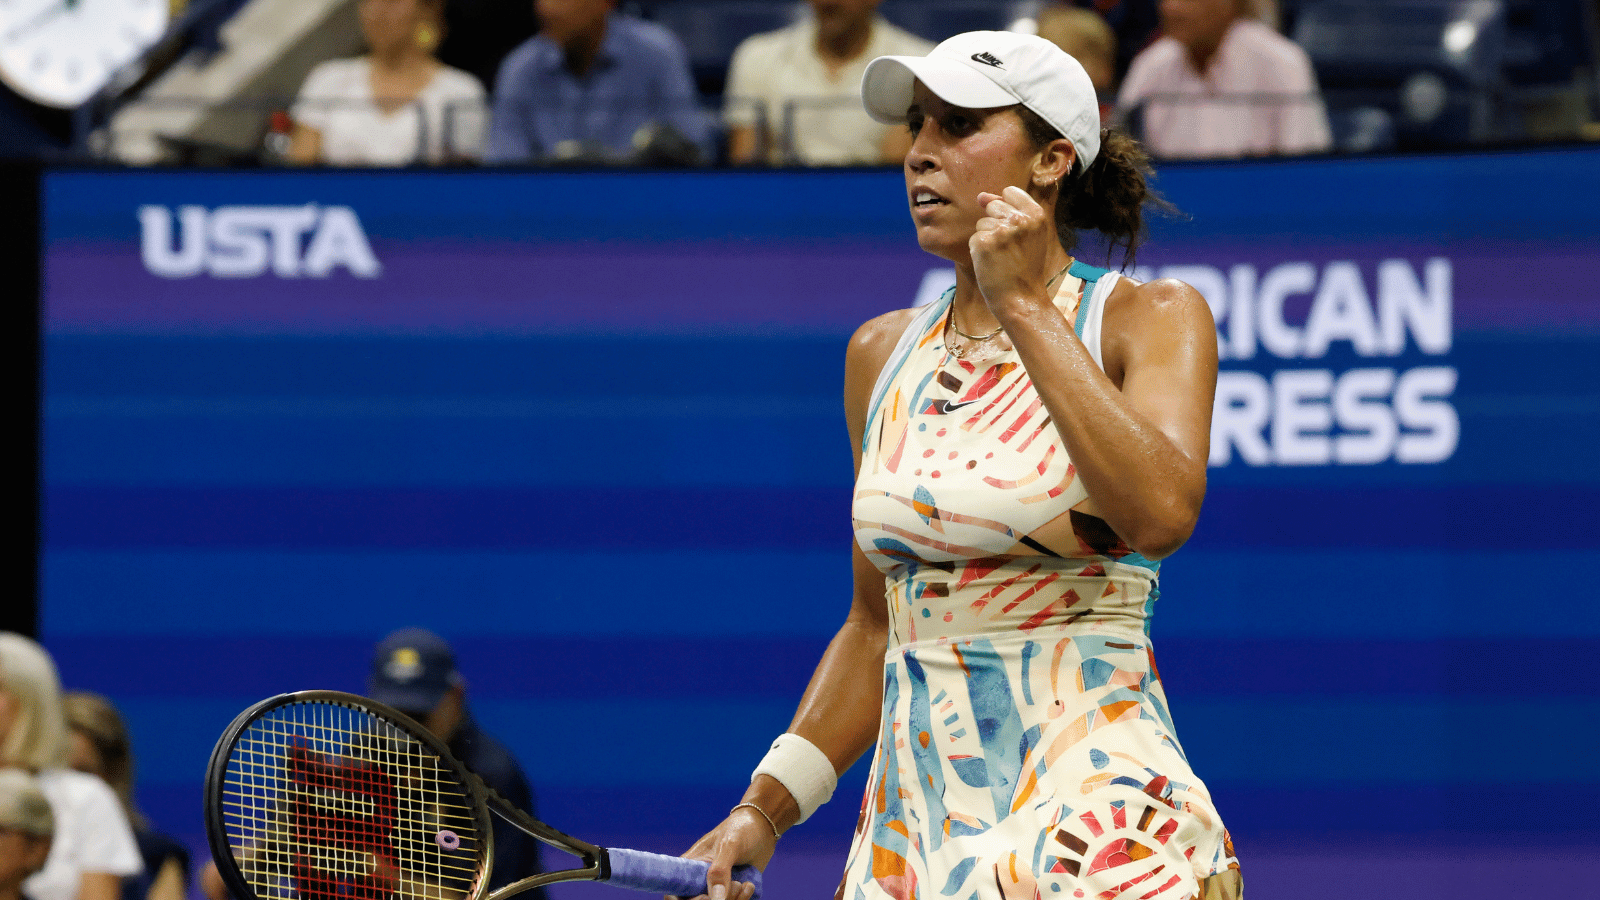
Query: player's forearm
x,y
839,712
842,705
1143,484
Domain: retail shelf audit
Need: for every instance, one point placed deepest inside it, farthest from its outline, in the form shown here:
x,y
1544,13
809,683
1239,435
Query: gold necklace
x,y
980,338
971,337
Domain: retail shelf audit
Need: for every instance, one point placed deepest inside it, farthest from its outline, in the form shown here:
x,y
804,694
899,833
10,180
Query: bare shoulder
x,y
1155,317
869,350
1168,294
872,343
1165,300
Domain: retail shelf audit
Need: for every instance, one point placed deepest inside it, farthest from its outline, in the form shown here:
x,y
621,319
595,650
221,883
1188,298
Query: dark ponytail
x,y
1109,197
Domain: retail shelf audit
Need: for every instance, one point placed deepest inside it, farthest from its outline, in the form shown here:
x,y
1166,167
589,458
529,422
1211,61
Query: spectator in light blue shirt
x,y
587,83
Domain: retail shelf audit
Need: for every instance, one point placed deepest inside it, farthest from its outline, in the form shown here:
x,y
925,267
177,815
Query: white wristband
x,y
801,768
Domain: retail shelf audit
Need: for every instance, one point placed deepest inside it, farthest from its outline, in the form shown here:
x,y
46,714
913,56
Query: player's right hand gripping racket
x,y
321,795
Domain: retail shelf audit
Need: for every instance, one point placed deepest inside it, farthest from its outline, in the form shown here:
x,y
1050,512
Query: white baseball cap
x,y
986,69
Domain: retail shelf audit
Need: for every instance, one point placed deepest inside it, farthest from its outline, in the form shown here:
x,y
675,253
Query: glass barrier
x,y
1425,114
263,131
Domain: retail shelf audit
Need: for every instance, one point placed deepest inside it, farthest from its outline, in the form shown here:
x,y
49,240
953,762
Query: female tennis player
x,y
1027,449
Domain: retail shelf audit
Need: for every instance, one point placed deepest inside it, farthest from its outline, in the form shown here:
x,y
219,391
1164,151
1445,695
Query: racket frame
x,y
597,865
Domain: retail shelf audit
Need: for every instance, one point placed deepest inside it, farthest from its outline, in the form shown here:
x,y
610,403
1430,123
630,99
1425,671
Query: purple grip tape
x,y
640,871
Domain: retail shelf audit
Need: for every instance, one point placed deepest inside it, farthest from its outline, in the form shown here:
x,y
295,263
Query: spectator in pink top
x,y
1221,83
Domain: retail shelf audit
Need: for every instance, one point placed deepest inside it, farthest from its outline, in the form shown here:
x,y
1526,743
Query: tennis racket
x,y
322,795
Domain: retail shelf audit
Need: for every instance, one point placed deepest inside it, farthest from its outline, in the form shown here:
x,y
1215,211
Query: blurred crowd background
x,y
766,82
229,449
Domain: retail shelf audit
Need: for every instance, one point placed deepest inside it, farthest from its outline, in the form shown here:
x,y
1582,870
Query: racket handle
x,y
641,871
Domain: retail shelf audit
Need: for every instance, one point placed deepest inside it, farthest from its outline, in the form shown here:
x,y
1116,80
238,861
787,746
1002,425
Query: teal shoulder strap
x,y
1091,276
917,327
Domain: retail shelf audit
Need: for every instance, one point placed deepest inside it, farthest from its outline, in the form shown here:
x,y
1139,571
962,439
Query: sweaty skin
x,y
1138,432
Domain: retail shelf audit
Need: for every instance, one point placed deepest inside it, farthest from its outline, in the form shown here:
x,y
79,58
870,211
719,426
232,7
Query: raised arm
x,y
839,712
1138,433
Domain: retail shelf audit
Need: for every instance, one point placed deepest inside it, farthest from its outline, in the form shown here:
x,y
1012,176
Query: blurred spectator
x,y
98,745
1136,24
26,827
796,92
93,849
1220,83
480,34
395,106
414,671
1087,38
588,84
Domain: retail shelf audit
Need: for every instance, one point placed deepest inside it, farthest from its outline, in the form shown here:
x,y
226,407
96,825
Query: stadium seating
x,y
936,20
1434,66
1396,74
1550,64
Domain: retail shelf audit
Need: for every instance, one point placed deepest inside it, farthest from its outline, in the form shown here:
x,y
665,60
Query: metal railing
x,y
156,131
1422,118
240,132
1421,113
196,29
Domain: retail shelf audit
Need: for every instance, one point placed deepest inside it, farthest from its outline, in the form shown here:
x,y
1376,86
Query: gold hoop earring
x,y
427,37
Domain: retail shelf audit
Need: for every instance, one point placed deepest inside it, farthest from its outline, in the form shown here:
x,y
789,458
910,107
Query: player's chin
x,y
943,243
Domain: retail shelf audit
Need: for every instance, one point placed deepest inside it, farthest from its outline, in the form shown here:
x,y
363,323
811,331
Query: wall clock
x,y
60,52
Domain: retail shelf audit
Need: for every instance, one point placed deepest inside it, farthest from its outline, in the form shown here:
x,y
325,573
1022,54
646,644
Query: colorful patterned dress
x,y
1026,749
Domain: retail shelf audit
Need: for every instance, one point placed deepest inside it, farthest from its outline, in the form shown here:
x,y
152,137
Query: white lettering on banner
x,y
1241,313
1425,307
1279,337
1315,417
1300,410
155,241
1341,312
245,241
1421,400
1360,404
1301,417
1249,307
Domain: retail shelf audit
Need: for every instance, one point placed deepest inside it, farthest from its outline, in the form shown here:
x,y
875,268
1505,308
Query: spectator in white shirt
x,y
794,95
1221,84
395,106
93,847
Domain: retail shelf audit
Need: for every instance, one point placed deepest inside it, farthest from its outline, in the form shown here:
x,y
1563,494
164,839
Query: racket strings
x,y
323,801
